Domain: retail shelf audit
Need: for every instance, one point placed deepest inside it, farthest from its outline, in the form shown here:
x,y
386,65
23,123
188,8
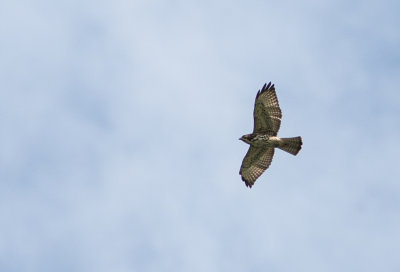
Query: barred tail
x,y
291,145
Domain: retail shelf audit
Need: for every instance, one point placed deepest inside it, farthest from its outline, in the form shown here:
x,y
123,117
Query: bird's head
x,y
246,138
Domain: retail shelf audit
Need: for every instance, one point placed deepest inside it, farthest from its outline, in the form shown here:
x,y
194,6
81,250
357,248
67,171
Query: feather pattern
x,y
263,141
267,113
256,161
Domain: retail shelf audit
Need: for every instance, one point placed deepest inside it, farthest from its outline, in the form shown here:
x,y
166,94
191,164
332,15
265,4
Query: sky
x,y
120,126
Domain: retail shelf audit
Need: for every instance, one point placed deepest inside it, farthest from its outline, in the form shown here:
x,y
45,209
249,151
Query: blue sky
x,y
120,126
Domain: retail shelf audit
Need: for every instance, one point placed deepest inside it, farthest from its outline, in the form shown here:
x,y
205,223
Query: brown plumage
x,y
263,141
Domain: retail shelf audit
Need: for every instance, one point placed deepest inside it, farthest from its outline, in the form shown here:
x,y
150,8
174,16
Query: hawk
x,y
263,141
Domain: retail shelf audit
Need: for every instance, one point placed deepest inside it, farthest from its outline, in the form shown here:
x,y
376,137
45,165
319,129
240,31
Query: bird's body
x,y
263,140
260,140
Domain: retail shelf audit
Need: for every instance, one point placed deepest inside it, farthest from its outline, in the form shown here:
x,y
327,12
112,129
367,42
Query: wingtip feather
x,y
267,87
248,184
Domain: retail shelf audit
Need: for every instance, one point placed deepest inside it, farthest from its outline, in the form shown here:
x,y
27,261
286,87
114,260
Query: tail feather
x,y
291,145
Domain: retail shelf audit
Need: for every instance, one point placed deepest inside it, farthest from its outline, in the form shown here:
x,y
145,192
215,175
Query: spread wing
x,y
267,113
256,161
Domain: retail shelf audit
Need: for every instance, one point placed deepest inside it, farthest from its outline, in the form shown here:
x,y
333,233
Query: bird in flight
x,y
263,141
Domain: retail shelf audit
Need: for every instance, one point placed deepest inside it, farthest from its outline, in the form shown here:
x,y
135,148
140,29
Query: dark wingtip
x,y
268,87
258,94
248,184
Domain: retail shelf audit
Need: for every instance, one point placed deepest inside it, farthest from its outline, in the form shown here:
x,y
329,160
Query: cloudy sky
x,y
119,135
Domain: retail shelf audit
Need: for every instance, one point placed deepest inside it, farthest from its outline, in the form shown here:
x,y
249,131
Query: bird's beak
x,y
241,138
